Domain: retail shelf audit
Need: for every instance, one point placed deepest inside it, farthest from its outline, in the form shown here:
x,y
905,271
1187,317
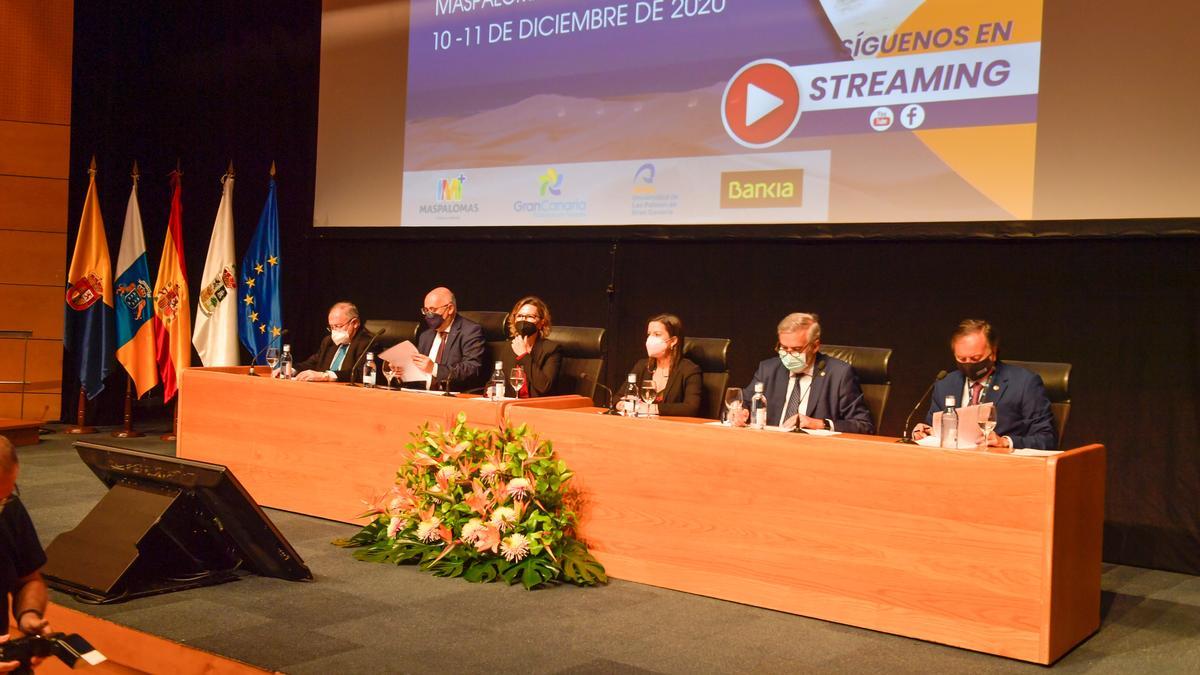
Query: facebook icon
x,y
912,116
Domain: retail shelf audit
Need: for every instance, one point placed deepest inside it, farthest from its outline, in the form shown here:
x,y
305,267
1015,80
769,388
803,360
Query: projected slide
x,y
557,112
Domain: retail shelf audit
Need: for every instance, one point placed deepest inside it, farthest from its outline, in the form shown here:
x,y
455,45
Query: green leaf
x,y
486,571
579,566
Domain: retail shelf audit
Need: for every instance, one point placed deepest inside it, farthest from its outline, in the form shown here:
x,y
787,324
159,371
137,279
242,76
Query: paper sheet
x,y
401,355
969,434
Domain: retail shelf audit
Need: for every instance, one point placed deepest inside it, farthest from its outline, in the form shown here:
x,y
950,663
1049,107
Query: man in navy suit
x,y
451,348
805,386
1023,417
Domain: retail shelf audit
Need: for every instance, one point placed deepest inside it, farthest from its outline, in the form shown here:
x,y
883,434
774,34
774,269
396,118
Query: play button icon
x,y
761,105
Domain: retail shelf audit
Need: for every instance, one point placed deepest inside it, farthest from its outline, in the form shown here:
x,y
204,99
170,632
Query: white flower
x,y
515,547
427,531
450,473
519,488
471,530
504,517
488,470
395,526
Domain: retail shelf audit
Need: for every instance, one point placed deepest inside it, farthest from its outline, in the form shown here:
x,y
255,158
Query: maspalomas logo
x,y
778,189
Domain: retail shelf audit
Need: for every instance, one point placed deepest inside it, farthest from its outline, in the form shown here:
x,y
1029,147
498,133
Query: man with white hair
x,y
21,556
340,350
804,386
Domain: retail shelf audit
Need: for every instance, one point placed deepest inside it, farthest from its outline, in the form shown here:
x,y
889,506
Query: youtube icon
x,y
761,105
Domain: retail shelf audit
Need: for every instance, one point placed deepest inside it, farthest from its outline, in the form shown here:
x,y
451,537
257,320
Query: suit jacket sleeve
x,y
851,413
683,399
466,371
318,361
547,360
1035,411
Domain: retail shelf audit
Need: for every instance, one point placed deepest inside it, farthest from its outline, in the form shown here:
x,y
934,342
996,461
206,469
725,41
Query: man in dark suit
x,y
804,386
339,351
451,348
1023,417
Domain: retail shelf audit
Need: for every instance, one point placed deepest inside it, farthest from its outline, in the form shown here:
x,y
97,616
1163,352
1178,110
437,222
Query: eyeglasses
x,y
794,351
16,494
528,317
342,326
435,310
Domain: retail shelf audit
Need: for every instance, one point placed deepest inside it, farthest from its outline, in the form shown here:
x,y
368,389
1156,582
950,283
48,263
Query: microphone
x,y
363,355
254,360
612,409
906,437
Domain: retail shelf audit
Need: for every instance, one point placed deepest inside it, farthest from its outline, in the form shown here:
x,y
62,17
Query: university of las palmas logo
x,y
217,290
551,182
135,294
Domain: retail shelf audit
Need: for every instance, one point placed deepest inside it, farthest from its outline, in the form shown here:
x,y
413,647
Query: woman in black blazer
x,y
678,380
538,356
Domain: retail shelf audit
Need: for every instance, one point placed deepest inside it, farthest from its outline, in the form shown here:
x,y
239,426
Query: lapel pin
x,y
822,373
995,387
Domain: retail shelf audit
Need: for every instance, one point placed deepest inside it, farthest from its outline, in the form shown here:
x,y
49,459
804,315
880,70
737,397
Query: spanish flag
x,y
135,306
88,334
172,307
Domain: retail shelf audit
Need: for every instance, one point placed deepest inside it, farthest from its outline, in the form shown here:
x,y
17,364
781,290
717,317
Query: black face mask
x,y
434,320
974,371
526,328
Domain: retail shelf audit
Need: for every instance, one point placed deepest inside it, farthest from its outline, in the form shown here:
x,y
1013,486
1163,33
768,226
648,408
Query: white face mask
x,y
655,346
340,337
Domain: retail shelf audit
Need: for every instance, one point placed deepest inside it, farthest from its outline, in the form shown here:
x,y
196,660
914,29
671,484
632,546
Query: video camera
x,y
68,648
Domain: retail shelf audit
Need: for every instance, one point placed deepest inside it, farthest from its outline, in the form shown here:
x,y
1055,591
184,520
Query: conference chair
x,y
495,333
1057,379
397,332
872,365
583,359
710,355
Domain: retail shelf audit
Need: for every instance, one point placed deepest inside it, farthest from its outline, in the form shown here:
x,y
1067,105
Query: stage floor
x,y
363,617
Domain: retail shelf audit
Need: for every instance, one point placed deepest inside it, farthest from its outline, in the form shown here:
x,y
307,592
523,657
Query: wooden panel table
x,y
316,448
996,553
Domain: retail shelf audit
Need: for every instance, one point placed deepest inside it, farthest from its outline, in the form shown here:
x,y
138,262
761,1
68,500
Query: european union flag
x,y
262,319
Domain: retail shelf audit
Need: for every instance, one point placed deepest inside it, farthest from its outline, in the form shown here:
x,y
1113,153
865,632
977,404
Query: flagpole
x,y
81,426
172,434
128,431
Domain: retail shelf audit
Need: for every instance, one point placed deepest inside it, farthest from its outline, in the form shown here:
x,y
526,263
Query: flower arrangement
x,y
483,504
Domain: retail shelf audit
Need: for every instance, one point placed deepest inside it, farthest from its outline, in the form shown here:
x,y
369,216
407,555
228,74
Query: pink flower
x,y
448,472
503,518
488,471
428,531
472,530
487,539
395,526
518,488
515,547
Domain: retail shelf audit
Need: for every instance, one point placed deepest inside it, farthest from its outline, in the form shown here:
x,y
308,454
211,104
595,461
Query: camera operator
x,y
21,556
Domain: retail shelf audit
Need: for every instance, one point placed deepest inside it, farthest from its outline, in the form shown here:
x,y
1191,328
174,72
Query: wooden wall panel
x,y
38,204
35,64
37,406
33,258
36,308
43,371
39,150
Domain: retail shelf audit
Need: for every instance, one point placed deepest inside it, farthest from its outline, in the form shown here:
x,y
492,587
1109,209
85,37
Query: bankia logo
x,y
448,198
777,189
551,202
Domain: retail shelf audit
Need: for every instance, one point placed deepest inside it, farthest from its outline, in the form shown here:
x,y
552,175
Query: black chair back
x,y
495,332
397,332
710,354
1057,379
583,360
872,365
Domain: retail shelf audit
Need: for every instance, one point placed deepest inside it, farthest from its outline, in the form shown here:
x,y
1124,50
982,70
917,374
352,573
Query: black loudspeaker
x,y
165,525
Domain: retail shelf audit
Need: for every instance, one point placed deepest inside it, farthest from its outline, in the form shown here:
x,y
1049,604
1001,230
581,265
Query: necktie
x,y
793,403
441,346
338,358
975,389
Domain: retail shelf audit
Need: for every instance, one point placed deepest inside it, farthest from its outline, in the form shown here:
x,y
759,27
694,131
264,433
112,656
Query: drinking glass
x,y
517,377
272,356
648,393
389,371
733,404
987,422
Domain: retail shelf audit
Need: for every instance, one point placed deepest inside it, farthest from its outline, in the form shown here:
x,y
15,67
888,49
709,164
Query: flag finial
x,y
135,174
177,171
272,168
92,167
229,171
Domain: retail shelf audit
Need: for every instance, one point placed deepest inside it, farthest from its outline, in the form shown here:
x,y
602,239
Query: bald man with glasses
x,y
340,349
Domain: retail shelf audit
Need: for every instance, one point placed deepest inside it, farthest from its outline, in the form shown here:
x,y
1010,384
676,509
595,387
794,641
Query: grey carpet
x,y
362,617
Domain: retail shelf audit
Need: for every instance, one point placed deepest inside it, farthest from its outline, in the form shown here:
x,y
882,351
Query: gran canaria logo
x,y
551,182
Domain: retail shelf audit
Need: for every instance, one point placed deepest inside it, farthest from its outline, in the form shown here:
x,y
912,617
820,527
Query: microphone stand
x,y
906,435
363,355
612,408
254,360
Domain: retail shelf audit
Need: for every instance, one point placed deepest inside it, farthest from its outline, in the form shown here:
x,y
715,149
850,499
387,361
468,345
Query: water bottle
x,y
758,407
496,385
285,363
630,397
369,370
950,425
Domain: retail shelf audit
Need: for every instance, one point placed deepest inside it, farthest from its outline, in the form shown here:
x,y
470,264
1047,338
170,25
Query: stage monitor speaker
x,y
165,525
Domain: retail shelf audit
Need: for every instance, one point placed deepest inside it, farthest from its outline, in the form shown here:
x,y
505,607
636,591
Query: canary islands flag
x,y
262,319
135,302
172,306
88,335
